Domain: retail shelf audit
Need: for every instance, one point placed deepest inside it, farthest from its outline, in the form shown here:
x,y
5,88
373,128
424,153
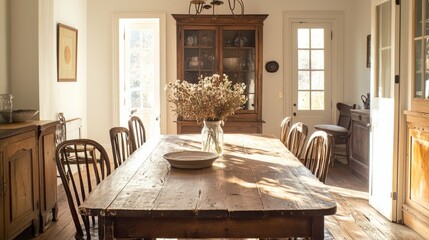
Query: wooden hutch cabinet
x,y
416,206
223,44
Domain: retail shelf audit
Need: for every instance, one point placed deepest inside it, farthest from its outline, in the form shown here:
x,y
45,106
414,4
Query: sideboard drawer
x,y
360,115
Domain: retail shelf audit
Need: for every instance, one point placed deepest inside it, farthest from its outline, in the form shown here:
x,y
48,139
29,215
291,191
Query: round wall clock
x,y
272,66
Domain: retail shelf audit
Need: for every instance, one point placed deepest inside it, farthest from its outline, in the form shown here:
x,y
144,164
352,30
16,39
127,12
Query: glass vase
x,y
212,137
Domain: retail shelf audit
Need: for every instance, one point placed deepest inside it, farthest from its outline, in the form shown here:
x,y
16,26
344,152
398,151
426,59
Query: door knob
x,y
294,114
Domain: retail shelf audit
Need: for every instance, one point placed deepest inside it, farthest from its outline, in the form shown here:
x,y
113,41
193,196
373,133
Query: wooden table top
x,y
256,177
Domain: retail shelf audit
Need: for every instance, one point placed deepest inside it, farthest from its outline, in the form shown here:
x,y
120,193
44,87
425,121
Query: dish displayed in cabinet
x,y
231,64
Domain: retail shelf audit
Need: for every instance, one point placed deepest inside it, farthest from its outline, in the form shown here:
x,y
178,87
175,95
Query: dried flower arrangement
x,y
213,98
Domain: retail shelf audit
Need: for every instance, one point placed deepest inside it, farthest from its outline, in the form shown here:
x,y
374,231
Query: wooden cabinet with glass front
x,y
416,207
223,44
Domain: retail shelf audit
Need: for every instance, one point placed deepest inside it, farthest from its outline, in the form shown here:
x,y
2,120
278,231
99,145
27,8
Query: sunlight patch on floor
x,y
348,192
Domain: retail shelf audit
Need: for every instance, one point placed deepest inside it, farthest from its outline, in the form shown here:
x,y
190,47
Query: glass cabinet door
x,y
421,49
199,54
238,60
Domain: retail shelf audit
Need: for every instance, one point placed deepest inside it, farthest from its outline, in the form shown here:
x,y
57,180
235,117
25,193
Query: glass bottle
x,y
6,108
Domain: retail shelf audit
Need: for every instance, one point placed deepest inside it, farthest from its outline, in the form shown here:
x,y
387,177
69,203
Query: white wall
x,y
4,83
70,97
356,72
23,45
33,63
100,62
46,58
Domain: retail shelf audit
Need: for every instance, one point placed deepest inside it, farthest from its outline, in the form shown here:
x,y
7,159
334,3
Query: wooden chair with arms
x,y
67,129
137,132
284,129
61,130
88,174
318,154
296,138
121,145
341,131
61,136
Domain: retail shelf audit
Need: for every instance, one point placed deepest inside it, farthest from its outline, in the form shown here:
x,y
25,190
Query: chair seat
x,y
332,129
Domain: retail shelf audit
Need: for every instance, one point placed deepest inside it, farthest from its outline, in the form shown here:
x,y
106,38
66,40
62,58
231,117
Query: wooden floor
x,y
354,219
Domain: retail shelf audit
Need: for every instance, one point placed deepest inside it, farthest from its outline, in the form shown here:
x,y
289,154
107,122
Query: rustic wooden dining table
x,y
257,189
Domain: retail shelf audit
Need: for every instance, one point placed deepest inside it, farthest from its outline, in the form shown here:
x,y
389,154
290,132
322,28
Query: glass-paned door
x,y
141,70
384,107
421,49
311,77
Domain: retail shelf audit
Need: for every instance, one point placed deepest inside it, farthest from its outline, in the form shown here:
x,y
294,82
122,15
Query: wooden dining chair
x,y
340,132
79,178
121,145
61,136
137,132
318,154
296,138
284,129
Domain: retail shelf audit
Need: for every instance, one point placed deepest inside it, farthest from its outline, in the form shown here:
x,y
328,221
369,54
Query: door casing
x,y
336,19
162,16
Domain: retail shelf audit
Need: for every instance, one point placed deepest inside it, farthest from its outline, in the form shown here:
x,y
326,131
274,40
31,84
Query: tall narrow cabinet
x,y
223,44
416,206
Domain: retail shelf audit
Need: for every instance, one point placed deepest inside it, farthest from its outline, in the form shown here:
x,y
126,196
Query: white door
x,y
311,73
384,107
141,73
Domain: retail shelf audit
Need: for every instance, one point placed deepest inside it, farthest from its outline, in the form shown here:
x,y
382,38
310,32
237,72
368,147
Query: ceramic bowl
x,y
230,64
22,115
196,64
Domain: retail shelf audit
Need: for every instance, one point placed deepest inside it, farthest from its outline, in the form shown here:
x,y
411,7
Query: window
x,y
311,69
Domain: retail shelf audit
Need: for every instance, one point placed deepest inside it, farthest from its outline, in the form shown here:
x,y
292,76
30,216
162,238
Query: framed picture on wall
x,y
368,51
66,53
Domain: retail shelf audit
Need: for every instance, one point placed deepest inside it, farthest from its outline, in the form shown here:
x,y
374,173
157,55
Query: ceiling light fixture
x,y
200,5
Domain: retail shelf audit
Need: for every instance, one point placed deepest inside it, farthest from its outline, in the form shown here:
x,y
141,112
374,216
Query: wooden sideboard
x,y
416,206
28,190
359,154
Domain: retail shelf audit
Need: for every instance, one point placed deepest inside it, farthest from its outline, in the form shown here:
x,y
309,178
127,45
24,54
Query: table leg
x,y
108,228
332,150
318,228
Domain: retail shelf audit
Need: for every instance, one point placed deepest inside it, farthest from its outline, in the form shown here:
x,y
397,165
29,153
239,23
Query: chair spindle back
x,y
284,129
137,132
121,145
80,173
296,138
318,154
